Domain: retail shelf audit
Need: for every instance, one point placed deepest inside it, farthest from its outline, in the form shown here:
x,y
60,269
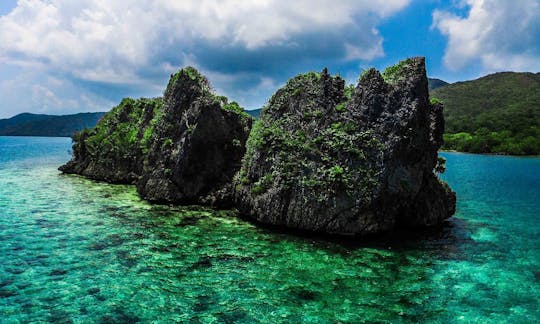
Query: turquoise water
x,y
73,250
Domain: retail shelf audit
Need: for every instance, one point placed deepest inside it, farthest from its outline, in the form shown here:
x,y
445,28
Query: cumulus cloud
x,y
499,34
138,43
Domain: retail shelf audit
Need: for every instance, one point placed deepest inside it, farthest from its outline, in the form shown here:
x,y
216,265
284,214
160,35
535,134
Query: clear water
x,y
73,250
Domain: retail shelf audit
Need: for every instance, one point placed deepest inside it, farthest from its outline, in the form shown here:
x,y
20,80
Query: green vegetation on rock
x,y
349,90
392,74
434,100
321,160
324,158
114,150
235,108
499,113
126,129
191,73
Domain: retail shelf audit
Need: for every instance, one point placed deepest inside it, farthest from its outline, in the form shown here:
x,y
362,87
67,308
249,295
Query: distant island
x,y
436,83
48,125
498,113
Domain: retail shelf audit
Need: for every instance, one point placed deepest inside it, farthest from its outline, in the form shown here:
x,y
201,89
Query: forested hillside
x,y
47,125
498,113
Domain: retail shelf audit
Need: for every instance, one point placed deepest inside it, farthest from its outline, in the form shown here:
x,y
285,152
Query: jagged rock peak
x,y
326,158
184,148
198,144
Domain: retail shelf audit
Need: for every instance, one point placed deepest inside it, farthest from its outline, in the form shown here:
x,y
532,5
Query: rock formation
x,y
197,146
184,148
323,157
328,158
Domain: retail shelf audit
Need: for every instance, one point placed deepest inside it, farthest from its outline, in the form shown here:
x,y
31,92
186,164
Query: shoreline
x,y
490,154
443,151
36,136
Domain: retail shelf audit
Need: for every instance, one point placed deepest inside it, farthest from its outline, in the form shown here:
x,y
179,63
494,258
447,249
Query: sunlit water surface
x,y
73,250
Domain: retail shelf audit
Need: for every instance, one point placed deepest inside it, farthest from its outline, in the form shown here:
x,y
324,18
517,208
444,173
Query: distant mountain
x,y
48,125
436,83
498,113
254,113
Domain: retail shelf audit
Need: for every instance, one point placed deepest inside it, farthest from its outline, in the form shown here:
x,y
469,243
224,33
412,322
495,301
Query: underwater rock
x,y
328,158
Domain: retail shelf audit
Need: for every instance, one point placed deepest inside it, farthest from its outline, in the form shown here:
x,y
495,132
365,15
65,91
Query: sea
x,y
78,251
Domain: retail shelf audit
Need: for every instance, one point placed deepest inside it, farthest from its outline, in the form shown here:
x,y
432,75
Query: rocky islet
x,y
323,157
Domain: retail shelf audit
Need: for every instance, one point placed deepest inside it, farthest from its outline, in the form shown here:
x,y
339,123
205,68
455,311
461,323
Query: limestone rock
x,y
197,146
327,158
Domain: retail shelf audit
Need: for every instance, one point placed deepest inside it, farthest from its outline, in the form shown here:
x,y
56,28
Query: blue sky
x,y
64,56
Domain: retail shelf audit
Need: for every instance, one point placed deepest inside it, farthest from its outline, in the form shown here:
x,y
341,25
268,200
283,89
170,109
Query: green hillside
x,y
48,125
255,113
498,113
436,83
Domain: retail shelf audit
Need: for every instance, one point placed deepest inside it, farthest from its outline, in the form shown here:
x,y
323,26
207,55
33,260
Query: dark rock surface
x,y
327,158
197,146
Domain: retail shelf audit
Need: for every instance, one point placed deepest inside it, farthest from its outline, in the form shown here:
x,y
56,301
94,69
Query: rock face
x,y
328,158
197,146
114,151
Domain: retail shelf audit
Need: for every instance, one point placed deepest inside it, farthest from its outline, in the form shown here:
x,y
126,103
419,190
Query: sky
x,y
65,56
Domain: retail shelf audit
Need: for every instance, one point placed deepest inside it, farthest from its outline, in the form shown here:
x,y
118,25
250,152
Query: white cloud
x,y
361,53
500,34
139,42
87,40
96,40
36,92
259,23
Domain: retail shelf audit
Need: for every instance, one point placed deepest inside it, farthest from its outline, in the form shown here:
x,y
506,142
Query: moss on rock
x,y
393,74
114,150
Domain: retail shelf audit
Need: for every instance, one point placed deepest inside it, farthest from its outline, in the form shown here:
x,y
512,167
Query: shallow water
x,y
73,250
